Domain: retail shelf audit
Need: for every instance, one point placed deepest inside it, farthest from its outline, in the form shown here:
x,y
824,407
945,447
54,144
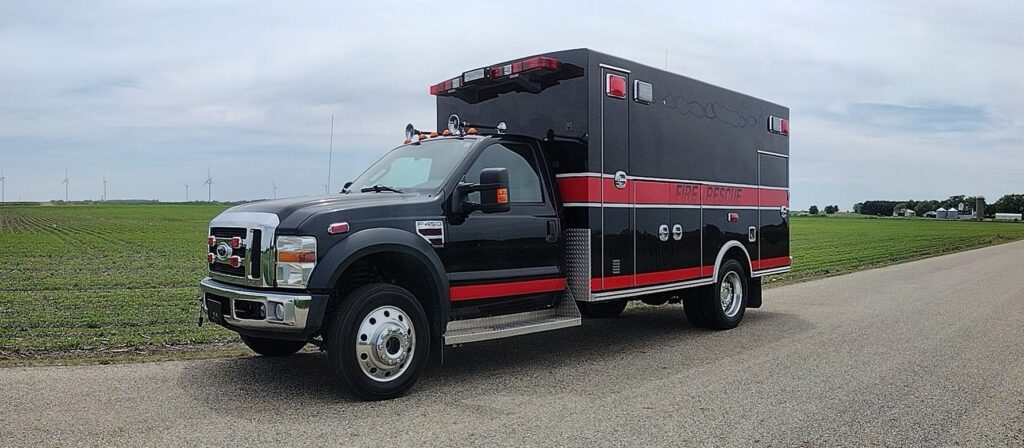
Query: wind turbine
x,y
209,186
186,191
3,181
104,188
66,182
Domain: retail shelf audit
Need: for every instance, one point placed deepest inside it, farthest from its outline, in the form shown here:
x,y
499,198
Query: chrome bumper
x,y
296,307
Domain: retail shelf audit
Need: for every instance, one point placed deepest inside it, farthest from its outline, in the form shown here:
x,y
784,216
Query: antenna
x,y
209,186
330,159
66,182
275,189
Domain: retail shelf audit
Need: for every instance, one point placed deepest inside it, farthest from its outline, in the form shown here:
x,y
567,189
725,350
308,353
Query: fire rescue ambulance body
x,y
560,186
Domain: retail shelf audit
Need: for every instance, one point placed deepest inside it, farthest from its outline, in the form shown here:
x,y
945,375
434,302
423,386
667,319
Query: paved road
x,y
929,353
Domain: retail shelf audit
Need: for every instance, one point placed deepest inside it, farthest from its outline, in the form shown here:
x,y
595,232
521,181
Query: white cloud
x,y
151,94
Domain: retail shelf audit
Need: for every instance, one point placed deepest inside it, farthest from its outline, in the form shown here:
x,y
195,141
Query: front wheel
x,y
273,347
720,306
379,342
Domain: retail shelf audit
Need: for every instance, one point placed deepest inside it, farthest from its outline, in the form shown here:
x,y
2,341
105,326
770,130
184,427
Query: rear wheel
x,y
719,306
273,347
602,310
379,342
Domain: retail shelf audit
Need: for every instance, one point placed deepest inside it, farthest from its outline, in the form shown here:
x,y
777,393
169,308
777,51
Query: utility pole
x,y
330,159
3,182
104,188
275,189
186,191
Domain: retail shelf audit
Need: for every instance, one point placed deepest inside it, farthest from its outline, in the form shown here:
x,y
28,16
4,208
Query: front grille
x,y
254,262
228,232
227,269
222,267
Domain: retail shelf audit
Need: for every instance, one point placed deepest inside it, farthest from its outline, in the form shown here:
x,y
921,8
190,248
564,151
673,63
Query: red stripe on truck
x,y
492,290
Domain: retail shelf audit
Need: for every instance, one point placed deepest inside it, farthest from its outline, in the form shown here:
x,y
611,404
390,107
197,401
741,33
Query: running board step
x,y
565,314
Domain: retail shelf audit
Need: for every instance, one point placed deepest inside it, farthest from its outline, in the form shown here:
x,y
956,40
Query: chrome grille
x,y
256,229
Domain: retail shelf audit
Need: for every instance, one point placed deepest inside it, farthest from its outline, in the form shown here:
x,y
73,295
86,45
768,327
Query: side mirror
x,y
493,189
345,188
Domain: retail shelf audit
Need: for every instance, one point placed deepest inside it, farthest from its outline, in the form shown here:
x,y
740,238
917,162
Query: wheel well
x,y
394,268
737,253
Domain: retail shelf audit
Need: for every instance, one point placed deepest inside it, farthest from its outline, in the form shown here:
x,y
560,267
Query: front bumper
x,y
297,316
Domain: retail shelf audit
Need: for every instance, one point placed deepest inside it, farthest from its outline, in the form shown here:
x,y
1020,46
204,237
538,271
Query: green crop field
x,y
88,281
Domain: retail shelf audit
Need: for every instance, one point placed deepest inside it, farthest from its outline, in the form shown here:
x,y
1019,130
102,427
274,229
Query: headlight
x,y
296,257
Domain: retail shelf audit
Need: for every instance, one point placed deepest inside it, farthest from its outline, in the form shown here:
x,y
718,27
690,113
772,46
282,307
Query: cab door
x,y
513,255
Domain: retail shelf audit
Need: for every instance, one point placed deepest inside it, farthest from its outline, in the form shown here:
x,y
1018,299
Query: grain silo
x,y
952,213
940,213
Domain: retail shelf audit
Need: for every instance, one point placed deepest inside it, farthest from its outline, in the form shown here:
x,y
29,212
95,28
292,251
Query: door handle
x,y
552,231
752,234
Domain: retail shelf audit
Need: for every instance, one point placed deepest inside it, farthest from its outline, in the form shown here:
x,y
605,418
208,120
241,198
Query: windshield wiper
x,y
379,188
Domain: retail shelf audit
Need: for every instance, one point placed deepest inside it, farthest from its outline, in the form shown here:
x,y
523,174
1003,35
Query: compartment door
x,y
617,218
773,211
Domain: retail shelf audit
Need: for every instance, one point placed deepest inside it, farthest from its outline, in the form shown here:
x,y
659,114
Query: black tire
x,y
704,307
405,329
602,310
272,347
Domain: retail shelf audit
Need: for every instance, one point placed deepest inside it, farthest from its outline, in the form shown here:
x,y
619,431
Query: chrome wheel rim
x,y
385,343
731,294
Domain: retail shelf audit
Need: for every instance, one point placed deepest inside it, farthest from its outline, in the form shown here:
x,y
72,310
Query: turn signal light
x,y
502,195
235,261
236,242
211,240
209,258
296,257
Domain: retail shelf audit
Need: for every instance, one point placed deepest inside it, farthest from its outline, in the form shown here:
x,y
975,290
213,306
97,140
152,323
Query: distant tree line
x,y
1011,203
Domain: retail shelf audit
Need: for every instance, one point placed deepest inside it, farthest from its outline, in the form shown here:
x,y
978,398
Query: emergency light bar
x,y
534,65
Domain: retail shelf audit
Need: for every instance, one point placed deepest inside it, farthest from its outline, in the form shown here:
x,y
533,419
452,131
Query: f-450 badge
x,y
432,231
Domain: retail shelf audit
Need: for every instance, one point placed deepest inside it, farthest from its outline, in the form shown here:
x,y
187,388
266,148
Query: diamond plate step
x,y
565,314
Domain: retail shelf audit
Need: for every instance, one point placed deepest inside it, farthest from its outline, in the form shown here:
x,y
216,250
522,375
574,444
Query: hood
x,y
294,211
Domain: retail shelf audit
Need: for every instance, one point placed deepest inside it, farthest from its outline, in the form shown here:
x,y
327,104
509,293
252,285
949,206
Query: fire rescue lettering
x,y
724,194
687,194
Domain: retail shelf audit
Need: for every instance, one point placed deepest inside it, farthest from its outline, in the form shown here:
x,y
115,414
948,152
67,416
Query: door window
x,y
523,171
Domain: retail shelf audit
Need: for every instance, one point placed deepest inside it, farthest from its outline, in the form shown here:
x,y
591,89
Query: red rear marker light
x,y
236,242
615,86
211,240
778,125
235,261
338,227
734,217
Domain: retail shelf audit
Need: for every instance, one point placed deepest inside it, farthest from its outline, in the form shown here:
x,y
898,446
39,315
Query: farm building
x,y
952,214
909,213
940,213
1008,216
929,214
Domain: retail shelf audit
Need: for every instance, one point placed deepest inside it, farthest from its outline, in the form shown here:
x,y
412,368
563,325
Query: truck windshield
x,y
415,167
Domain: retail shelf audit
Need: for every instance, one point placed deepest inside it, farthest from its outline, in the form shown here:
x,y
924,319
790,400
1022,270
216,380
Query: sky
x,y
899,100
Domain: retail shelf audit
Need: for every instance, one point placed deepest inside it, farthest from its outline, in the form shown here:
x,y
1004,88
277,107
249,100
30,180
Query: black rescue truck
x,y
561,186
